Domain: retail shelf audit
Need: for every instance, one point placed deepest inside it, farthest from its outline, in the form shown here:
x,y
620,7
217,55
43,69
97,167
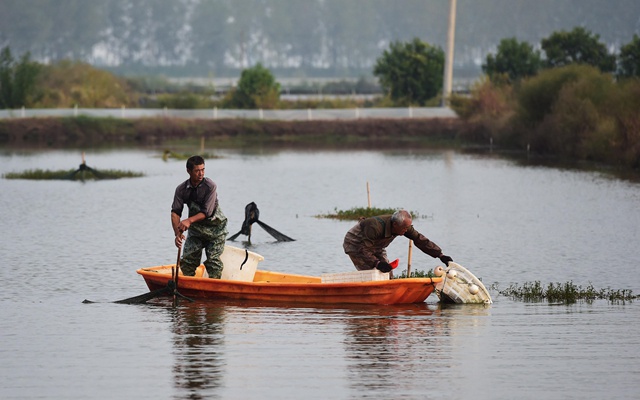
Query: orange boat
x,y
241,280
293,288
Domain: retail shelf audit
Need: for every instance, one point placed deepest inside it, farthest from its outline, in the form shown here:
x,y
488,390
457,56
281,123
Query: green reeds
x,y
567,293
362,212
415,274
167,154
71,174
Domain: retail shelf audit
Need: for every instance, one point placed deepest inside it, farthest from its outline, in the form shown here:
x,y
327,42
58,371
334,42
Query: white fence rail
x,y
215,113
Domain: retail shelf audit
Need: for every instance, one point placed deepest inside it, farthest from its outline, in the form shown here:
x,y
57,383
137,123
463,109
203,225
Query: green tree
x,y
257,88
411,72
577,47
514,59
17,79
630,58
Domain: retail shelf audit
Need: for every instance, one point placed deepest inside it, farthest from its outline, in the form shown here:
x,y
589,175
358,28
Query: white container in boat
x,y
356,276
235,266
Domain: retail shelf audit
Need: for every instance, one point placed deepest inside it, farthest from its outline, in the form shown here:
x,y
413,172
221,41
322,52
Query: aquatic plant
x,y
416,274
567,293
167,154
362,212
72,174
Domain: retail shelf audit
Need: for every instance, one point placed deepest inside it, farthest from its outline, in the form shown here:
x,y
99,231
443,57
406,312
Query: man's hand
x,y
179,239
184,225
383,266
445,259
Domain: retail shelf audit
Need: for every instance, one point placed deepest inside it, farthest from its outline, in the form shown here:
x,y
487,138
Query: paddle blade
x,y
143,298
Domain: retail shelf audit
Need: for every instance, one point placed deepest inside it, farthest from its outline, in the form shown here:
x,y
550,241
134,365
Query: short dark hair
x,y
193,161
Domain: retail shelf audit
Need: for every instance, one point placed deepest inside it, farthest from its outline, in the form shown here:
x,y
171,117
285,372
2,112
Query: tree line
x,y
332,38
410,73
577,100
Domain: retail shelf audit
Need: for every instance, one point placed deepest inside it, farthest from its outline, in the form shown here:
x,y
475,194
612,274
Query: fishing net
x,y
251,216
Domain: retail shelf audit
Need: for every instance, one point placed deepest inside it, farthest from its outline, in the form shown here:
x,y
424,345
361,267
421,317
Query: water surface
x,y
509,224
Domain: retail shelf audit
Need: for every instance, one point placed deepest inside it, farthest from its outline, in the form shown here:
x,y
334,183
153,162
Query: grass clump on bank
x,y
167,154
566,293
362,212
72,174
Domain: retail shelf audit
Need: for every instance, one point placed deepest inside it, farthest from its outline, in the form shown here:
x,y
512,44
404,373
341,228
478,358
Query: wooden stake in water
x,y
409,259
368,196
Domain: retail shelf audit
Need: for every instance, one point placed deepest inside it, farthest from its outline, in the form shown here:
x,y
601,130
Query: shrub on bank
x,y
575,112
487,111
625,106
576,122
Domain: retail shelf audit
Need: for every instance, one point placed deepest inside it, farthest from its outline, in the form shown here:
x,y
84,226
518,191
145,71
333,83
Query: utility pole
x,y
448,62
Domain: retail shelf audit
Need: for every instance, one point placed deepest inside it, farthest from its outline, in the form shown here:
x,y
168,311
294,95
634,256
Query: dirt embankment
x,y
82,131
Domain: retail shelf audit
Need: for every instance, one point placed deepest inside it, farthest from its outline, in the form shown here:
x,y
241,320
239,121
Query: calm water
x,y
65,242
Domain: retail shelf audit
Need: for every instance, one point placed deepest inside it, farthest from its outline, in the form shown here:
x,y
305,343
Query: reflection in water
x,y
198,345
384,344
390,348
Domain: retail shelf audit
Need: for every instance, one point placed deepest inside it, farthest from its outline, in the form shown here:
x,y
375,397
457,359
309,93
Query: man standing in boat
x,y
367,241
206,224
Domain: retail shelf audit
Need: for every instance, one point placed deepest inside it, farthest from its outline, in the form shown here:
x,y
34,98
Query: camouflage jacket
x,y
369,238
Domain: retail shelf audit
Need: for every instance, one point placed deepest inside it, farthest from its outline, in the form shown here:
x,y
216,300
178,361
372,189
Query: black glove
x,y
445,259
384,266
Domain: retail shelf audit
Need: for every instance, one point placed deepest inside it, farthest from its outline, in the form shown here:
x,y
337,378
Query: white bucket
x,y
239,264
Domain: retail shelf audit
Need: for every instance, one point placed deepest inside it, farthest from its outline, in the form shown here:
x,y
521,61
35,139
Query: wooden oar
x,y
176,293
175,277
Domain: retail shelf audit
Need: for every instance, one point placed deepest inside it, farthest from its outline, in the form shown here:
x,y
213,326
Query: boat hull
x,y
269,286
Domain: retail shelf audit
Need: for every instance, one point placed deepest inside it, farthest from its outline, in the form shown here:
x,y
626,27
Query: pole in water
x,y
368,196
409,259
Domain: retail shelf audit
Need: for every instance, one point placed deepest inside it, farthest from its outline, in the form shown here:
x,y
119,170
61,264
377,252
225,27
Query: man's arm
x,y
424,244
175,222
186,223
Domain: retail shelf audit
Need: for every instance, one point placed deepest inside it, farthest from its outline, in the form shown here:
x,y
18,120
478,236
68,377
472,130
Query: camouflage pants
x,y
210,236
364,263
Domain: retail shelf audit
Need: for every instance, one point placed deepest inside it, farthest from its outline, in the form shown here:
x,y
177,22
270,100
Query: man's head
x,y
195,168
400,222
193,161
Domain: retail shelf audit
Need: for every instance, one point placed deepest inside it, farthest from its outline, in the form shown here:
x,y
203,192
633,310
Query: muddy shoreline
x,y
83,131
